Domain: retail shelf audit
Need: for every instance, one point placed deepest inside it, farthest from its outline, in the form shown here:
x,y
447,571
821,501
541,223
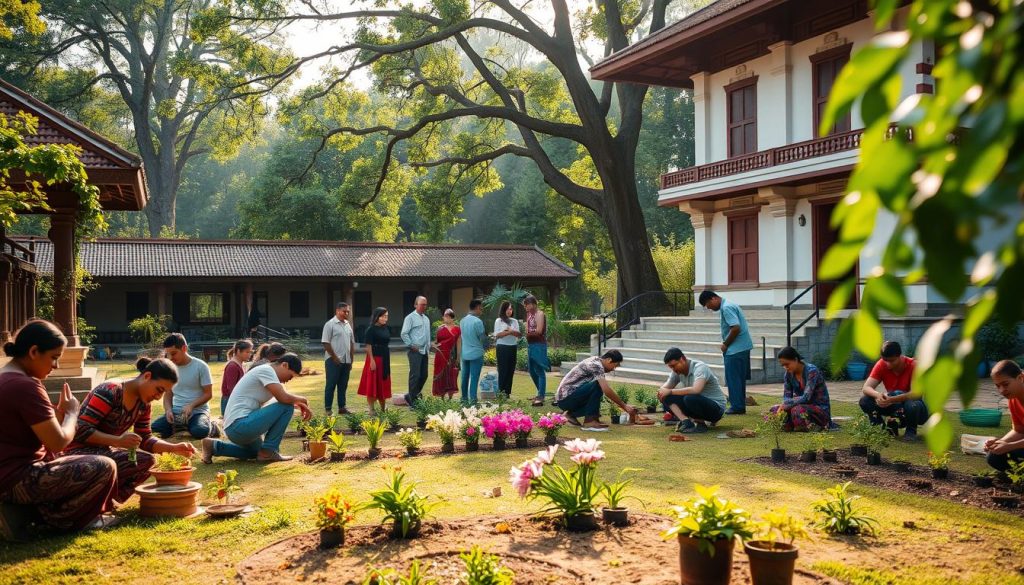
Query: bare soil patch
x,y
536,549
400,452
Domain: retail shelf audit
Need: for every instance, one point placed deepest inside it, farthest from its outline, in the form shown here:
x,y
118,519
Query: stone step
x,y
688,343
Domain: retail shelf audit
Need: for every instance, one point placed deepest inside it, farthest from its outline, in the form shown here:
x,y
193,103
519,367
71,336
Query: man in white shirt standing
x,y
416,336
339,347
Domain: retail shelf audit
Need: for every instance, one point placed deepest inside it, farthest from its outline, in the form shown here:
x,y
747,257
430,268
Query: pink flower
x,y
522,476
588,458
581,446
547,456
470,431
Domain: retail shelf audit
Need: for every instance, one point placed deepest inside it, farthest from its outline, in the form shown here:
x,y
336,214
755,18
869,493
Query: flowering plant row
x,y
568,492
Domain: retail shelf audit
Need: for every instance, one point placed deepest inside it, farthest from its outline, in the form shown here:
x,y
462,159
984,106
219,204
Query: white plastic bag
x,y
973,444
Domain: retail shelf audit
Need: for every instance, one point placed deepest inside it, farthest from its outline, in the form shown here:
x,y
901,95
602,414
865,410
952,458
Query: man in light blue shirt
x,y
471,348
416,336
736,346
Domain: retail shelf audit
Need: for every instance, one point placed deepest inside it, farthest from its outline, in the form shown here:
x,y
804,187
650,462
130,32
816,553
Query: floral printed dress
x,y
807,401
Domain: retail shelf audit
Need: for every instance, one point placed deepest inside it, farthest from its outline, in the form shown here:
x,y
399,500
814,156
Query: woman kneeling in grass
x,y
254,427
114,422
804,394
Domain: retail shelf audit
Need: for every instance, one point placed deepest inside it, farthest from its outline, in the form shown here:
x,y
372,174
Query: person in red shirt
x,y
1010,383
239,353
894,371
69,492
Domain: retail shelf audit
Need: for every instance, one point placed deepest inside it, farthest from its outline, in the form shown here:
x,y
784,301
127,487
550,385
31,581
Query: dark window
x,y
408,302
743,249
742,106
363,301
206,308
299,303
827,65
136,305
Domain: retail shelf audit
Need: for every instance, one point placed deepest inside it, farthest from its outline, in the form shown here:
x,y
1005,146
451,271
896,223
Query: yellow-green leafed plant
x,y
939,461
374,429
410,438
778,526
171,462
337,441
416,576
484,569
315,432
401,504
838,515
708,518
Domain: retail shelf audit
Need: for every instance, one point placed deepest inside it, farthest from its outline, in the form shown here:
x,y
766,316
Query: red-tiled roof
x,y
240,259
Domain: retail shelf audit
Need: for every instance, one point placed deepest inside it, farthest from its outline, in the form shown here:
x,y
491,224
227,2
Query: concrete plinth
x,y
81,384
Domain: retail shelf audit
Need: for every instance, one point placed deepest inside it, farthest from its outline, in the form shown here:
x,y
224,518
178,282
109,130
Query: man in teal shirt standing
x,y
736,346
471,348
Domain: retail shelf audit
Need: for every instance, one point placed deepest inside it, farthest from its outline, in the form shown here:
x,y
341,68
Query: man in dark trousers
x,y
736,346
339,347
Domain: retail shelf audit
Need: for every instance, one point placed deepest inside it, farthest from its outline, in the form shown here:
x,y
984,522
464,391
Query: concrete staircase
x,y
699,336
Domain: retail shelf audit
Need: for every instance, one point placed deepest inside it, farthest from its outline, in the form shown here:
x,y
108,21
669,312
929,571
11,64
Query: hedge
x,y
556,355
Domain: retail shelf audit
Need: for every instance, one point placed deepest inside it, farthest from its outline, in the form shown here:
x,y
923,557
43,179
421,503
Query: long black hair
x,y
38,333
376,315
159,368
503,312
789,353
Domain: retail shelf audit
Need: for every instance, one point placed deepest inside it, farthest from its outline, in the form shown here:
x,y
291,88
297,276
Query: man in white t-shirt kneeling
x,y
255,422
700,400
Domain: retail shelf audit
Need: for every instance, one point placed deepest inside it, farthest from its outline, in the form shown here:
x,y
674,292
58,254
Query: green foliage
x,y
374,429
401,504
415,576
708,518
484,569
410,438
315,431
822,441
645,396
391,417
945,193
675,262
860,429
337,441
354,421
838,514
938,461
614,492
876,437
500,293
149,330
997,341
428,405
171,462
779,526
772,426
1015,472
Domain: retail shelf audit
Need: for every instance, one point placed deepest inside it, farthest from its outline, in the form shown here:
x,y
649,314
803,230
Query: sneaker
x,y
731,411
685,425
695,429
893,426
910,434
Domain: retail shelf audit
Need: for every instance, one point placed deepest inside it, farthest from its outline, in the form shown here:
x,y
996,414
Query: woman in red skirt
x,y
375,383
446,363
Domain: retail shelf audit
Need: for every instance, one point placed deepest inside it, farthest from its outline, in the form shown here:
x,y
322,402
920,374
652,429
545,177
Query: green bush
x,y
997,342
556,355
149,330
578,332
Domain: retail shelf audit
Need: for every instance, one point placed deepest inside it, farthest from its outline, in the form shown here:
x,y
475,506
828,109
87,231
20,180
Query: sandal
x,y
537,402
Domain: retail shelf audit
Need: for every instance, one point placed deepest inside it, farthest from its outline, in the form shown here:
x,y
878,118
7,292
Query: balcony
x,y
764,159
17,286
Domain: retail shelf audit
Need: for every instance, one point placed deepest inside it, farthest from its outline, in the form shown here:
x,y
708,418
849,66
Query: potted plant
x,y
225,484
707,528
569,493
809,454
495,428
771,426
401,504
333,514
876,438
426,406
521,425
613,414
1015,474
447,426
983,479
625,393
317,445
646,398
411,440
614,493
823,441
374,429
551,424
338,446
354,421
838,513
939,464
773,555
901,465
172,469
392,417
859,430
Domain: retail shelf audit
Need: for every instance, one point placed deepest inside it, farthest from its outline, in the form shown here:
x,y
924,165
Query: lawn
x,y
922,540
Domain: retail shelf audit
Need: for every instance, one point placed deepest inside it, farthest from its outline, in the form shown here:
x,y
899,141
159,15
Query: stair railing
x,y
790,330
646,304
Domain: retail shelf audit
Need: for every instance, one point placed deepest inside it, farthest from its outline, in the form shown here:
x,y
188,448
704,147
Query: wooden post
x,y
62,235
554,291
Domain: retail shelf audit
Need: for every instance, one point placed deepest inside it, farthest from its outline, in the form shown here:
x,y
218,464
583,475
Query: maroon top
x,y
233,372
23,403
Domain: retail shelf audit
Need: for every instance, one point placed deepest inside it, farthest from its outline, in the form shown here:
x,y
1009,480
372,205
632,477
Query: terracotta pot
x,y
697,568
472,445
830,456
373,453
499,444
874,458
582,522
940,473
332,538
550,440
522,442
808,456
771,565
179,477
983,481
317,450
177,501
412,450
901,466
859,450
615,516
337,457
447,447
778,455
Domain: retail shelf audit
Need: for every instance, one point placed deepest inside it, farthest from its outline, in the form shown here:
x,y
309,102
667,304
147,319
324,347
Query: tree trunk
x,y
627,231
162,194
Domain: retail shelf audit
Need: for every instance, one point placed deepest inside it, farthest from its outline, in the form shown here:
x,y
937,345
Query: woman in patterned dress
x,y
805,395
446,363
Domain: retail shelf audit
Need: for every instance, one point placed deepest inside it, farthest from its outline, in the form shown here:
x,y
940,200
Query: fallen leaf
x,y
615,563
909,524
502,528
284,565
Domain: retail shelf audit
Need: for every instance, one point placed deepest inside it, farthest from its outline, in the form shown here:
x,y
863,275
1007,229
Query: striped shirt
x,y
103,410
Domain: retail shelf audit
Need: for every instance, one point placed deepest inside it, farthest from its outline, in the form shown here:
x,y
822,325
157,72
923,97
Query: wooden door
x,y
743,252
824,236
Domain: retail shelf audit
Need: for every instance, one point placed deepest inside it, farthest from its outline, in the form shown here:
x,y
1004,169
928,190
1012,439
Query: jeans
x,y
261,429
1002,462
223,405
471,378
737,370
506,367
911,412
696,406
198,425
585,401
337,377
417,375
538,365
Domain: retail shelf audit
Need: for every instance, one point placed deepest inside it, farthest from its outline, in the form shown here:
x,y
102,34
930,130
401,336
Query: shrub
x,y
771,426
391,416
484,569
401,504
997,341
410,438
428,405
332,511
374,429
354,421
860,430
149,330
838,515
708,518
877,438
577,333
171,462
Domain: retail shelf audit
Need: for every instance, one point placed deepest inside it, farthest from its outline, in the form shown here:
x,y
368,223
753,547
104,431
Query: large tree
x,y
193,83
466,100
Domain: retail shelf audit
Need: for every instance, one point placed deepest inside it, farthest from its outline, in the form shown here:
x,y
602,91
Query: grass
x,y
207,551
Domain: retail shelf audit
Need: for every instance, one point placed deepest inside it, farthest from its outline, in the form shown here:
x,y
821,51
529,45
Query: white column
x,y
781,70
701,118
701,215
775,259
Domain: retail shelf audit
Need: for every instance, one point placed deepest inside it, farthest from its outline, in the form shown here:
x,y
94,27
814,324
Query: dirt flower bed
x,y
958,487
400,452
535,549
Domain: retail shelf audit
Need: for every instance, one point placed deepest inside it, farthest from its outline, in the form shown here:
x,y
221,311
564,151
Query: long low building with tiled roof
x,y
216,288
